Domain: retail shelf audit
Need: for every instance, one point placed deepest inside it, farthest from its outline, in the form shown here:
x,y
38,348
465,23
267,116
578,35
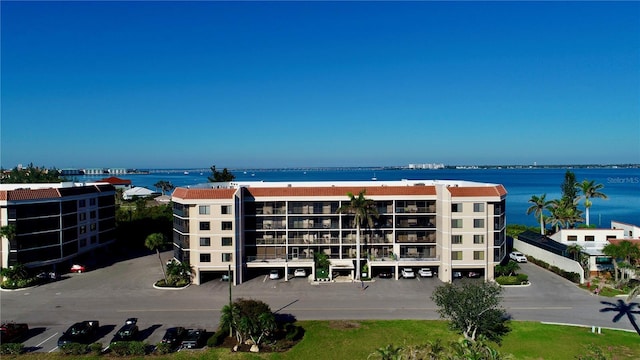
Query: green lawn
x,y
527,340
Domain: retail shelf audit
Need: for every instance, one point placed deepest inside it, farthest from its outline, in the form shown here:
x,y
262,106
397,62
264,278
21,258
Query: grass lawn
x,y
527,340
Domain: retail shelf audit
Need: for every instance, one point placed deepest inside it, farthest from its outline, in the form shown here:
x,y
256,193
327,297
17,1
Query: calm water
x,y
622,186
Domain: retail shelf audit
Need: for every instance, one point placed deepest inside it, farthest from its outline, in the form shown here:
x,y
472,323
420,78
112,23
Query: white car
x,y
518,257
408,273
425,272
300,273
274,275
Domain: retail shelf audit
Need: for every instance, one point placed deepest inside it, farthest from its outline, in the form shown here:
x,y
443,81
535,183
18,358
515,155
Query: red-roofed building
x,y
117,182
55,223
448,226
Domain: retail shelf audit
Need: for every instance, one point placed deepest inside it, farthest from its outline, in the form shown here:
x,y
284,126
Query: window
x,y
92,201
456,255
478,223
225,209
456,239
205,225
82,216
478,255
93,227
478,239
92,214
572,238
456,223
589,238
83,242
478,207
204,210
456,208
227,241
226,257
82,203
83,229
205,241
94,239
205,257
227,225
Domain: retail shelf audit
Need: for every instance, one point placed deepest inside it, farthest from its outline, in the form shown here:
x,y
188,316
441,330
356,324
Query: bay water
x,y
621,185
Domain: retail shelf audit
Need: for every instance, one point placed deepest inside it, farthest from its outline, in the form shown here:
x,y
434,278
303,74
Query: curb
x,y
169,287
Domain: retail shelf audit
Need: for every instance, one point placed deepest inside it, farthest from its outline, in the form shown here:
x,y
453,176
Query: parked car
x,y
425,272
83,332
12,332
300,273
385,275
195,338
173,336
77,268
408,273
457,275
274,275
128,331
518,257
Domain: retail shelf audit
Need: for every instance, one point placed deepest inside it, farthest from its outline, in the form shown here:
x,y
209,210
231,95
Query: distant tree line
x,y
30,174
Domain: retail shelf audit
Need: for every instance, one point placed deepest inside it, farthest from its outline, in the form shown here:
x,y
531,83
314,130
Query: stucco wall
x,y
561,262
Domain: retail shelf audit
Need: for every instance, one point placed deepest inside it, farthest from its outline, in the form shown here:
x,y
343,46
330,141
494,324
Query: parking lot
x,y
125,289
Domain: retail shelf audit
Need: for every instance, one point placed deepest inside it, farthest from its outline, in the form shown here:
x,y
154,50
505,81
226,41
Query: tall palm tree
x,y
590,190
564,213
364,211
154,242
539,204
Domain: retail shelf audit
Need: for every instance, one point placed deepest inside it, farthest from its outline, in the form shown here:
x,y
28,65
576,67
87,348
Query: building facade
x,y
254,227
55,223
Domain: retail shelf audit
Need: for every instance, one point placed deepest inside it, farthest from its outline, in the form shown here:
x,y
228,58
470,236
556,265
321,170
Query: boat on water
x,y
186,173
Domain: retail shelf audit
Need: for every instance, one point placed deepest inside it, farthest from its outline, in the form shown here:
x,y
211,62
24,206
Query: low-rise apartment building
x,y
254,227
55,223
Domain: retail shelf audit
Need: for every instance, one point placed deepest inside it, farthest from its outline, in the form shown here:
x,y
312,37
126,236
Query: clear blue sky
x,y
289,84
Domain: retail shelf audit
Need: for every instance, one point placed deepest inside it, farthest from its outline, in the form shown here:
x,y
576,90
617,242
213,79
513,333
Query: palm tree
x,y
363,210
164,186
539,205
615,252
574,250
564,213
590,190
154,242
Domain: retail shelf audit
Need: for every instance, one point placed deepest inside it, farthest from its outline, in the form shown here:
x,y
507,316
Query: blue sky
x,y
289,84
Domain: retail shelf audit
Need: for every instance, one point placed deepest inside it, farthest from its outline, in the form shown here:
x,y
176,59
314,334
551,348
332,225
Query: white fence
x,y
561,262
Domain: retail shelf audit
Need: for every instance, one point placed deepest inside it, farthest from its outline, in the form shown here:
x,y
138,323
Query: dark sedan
x,y
173,336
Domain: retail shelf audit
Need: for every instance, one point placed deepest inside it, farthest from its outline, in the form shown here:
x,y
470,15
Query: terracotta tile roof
x,y
3,195
635,242
28,194
472,191
342,191
116,181
203,194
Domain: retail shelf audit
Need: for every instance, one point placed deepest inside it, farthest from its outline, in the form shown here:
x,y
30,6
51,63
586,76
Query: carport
x,y
341,266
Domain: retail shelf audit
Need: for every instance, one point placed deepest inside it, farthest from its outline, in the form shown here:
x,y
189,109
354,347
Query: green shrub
x,y
11,349
218,337
96,348
128,348
508,280
74,349
163,348
522,278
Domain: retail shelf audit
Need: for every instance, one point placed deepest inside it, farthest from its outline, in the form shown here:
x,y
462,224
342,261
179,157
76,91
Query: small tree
x,y
249,319
155,242
473,309
220,176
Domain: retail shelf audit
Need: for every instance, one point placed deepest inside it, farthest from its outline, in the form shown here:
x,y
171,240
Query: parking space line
x,y
47,339
52,350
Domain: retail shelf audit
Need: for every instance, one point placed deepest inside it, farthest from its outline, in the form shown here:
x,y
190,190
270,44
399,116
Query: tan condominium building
x,y
453,228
